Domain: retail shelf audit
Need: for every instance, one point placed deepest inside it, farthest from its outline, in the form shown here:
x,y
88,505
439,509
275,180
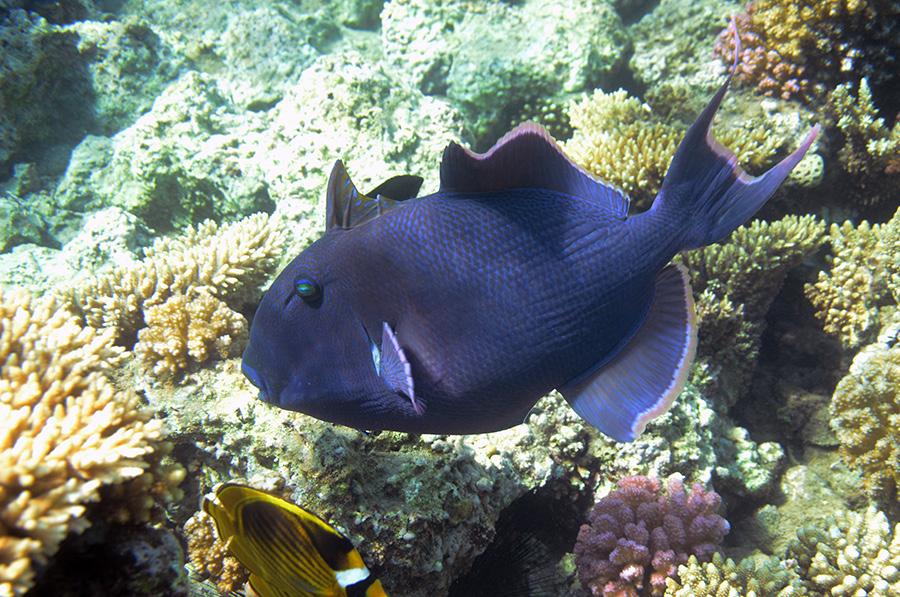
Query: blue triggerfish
x,y
455,312
289,551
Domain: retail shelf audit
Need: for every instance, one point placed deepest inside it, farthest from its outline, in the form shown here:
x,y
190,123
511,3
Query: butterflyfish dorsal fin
x,y
346,207
526,157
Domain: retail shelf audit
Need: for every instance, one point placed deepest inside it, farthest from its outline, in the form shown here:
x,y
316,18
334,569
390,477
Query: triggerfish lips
x,y
256,379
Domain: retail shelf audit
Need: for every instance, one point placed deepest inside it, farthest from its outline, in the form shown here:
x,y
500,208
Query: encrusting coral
x,y
724,578
186,292
66,434
638,535
857,554
734,284
865,416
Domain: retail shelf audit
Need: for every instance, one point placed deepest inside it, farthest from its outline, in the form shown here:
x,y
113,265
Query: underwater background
x,y
161,161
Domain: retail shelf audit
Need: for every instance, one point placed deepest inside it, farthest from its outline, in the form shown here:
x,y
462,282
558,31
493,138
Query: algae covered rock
x,y
346,106
177,165
493,60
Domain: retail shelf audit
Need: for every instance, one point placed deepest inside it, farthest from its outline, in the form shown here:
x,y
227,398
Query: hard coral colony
x,y
639,534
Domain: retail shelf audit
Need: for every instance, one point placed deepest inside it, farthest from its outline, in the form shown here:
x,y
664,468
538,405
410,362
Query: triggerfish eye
x,y
287,549
307,288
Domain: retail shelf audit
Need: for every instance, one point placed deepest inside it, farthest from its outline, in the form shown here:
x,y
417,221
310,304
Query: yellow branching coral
x,y
621,141
869,145
227,264
857,554
189,327
865,416
65,431
617,139
209,556
847,296
724,578
734,285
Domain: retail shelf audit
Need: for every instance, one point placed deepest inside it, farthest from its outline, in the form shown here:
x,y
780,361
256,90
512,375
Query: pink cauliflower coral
x,y
638,535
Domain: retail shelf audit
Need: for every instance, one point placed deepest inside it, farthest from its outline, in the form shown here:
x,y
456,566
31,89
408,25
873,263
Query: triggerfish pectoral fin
x,y
395,368
643,380
706,186
289,551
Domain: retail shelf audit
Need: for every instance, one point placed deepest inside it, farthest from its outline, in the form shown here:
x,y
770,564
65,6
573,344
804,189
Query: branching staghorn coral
x,y
734,284
66,433
619,140
724,578
857,554
865,416
181,281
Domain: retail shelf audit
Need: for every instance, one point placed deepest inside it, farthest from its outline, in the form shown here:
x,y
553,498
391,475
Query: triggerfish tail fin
x,y
706,185
646,376
288,550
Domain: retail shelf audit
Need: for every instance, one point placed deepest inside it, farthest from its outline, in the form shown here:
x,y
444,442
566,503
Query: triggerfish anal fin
x,y
346,207
394,367
705,174
643,380
288,550
526,158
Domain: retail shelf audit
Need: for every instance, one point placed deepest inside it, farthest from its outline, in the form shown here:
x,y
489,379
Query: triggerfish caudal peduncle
x,y
455,312
289,551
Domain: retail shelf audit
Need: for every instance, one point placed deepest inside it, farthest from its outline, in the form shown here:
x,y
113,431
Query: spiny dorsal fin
x,y
526,157
346,207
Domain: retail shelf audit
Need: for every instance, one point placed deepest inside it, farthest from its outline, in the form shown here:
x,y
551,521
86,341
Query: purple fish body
x,y
455,312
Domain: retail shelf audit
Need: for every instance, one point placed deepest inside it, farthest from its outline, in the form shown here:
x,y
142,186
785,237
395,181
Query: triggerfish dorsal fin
x,y
646,376
346,207
705,183
525,158
288,550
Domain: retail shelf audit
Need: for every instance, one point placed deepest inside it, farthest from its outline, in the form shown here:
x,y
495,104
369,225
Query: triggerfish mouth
x,y
455,312
289,551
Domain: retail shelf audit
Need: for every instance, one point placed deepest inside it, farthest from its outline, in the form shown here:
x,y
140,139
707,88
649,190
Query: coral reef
x,y
724,578
209,557
117,560
66,433
856,554
864,411
207,272
799,50
494,59
638,536
734,284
